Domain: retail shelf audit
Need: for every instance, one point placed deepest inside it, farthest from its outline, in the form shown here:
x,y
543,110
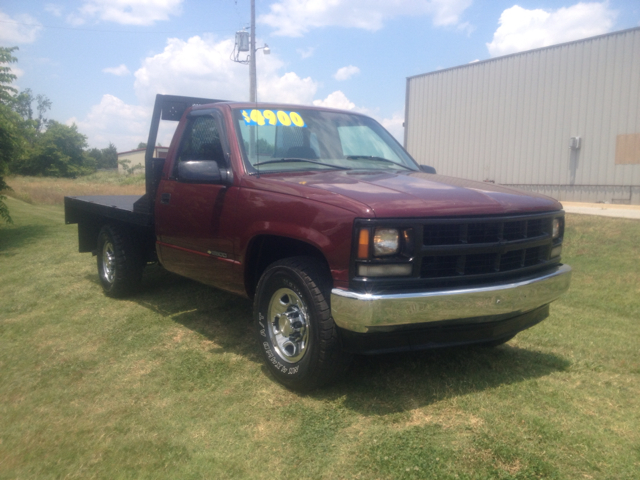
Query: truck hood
x,y
410,194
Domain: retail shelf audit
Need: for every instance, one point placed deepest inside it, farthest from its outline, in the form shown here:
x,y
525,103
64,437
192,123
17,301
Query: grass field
x,y
169,384
51,191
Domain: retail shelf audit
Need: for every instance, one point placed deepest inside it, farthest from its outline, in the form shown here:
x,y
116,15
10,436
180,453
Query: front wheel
x,y
297,335
119,265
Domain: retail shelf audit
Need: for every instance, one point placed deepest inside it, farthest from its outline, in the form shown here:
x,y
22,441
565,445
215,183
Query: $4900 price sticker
x,y
271,117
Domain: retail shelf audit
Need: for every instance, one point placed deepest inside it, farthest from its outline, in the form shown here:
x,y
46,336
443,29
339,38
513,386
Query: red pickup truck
x,y
345,244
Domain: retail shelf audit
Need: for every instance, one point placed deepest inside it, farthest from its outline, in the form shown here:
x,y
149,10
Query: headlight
x,y
557,228
385,241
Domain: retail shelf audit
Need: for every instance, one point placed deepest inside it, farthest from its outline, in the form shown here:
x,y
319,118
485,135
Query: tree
x,y
11,146
10,140
107,158
142,145
7,92
58,152
23,105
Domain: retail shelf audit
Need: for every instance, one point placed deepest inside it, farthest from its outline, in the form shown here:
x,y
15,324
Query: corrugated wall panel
x,y
510,119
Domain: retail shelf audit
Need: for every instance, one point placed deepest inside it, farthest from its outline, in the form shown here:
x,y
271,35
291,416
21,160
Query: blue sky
x,y
101,62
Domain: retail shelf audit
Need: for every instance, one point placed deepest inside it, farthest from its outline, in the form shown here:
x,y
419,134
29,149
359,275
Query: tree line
x,y
32,144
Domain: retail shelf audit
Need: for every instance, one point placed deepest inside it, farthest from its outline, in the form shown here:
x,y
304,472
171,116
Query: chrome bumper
x,y
360,312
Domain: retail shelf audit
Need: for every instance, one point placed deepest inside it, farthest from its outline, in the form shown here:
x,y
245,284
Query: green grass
x,y
169,384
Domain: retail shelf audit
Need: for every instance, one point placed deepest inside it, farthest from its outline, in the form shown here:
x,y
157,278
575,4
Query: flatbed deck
x,y
116,207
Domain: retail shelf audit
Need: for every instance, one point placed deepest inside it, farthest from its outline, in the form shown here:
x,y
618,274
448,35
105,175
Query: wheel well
x,y
142,237
266,249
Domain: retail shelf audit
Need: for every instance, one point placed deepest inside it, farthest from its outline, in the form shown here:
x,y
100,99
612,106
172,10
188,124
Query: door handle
x,y
165,198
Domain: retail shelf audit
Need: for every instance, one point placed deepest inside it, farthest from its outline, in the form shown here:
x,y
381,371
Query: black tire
x,y
119,262
297,336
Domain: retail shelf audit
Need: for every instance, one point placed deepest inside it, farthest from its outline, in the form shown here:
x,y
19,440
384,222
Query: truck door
x,y
194,218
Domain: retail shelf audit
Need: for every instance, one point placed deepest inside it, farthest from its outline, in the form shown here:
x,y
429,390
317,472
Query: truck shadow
x,y
392,383
221,317
374,385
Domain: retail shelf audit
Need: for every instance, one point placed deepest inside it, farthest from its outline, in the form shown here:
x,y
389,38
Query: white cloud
x,y
18,72
466,27
119,71
522,29
336,99
126,12
340,101
112,120
22,28
197,67
395,125
305,52
293,18
345,73
53,9
289,88
200,66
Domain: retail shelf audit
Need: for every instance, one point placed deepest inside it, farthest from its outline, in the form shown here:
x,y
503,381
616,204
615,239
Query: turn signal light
x,y
363,243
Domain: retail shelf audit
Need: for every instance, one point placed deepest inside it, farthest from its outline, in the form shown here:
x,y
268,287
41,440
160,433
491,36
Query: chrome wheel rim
x,y
288,325
108,262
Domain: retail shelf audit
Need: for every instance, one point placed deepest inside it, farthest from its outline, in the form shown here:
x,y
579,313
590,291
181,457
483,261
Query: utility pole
x,y
252,57
246,42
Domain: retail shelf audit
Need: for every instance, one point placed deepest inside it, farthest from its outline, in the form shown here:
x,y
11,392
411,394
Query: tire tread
x,y
332,360
128,275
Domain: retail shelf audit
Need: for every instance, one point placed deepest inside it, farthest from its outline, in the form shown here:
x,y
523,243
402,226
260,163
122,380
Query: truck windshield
x,y
277,140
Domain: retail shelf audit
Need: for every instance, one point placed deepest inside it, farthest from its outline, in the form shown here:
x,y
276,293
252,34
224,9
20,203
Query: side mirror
x,y
427,169
199,171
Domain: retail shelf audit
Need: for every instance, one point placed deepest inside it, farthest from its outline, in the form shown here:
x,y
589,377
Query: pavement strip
x,y
603,209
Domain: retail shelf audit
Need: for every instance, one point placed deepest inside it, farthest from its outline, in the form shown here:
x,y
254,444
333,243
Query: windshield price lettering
x,y
269,117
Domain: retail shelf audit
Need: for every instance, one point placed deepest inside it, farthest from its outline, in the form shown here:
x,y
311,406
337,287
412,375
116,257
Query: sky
x,y
101,62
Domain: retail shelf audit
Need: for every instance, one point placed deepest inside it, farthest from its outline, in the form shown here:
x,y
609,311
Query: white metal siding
x,y
510,119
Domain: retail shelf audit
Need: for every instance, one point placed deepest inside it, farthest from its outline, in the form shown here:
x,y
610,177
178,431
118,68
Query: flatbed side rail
x,y
92,212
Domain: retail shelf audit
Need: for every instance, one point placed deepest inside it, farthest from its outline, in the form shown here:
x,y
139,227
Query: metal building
x,y
136,159
562,120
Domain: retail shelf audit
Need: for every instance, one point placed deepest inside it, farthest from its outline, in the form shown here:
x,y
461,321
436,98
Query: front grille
x,y
459,248
462,232
462,252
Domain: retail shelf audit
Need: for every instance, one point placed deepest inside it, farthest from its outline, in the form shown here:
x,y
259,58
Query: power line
x,y
95,30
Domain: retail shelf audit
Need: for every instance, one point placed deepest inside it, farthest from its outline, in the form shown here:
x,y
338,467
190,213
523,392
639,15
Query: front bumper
x,y
378,313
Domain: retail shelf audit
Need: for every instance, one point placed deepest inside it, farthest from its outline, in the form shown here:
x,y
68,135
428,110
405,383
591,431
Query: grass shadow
x,y
374,385
13,237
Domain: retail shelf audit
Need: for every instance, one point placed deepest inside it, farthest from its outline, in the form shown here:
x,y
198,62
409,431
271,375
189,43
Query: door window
x,y
202,141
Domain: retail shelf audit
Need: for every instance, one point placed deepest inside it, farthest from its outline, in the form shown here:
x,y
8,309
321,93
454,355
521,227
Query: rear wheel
x,y
297,336
119,264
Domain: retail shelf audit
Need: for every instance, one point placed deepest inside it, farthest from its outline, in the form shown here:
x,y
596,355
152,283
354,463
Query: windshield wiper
x,y
376,159
306,160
